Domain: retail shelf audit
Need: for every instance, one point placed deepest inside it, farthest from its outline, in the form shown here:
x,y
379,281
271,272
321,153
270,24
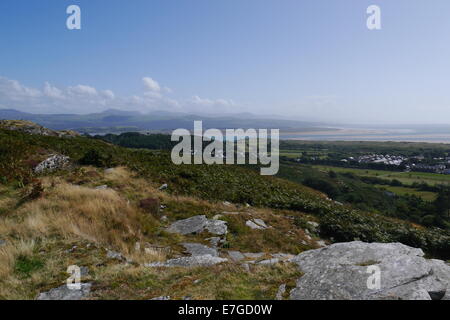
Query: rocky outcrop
x,y
198,224
348,271
53,163
257,224
64,293
193,261
35,129
197,249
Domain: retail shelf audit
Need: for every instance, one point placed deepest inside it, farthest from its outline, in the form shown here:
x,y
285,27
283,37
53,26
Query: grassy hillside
x,y
236,184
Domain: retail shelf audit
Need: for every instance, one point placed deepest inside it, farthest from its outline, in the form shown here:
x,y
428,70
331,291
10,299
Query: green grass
x,y
407,178
425,195
25,266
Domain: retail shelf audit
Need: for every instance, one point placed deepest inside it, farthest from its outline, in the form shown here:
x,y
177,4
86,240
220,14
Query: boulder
x,y
64,293
198,224
53,163
345,271
197,249
194,224
164,186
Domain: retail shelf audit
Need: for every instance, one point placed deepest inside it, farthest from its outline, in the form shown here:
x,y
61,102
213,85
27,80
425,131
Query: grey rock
x,y
110,170
114,255
217,227
246,267
341,272
164,186
253,255
103,187
260,223
64,293
226,203
236,255
253,225
53,163
194,261
194,224
280,292
197,249
198,224
283,256
269,261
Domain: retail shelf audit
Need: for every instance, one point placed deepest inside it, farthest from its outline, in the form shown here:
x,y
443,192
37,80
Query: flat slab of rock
x,y
197,249
253,255
194,224
194,261
64,293
345,271
198,224
236,255
256,224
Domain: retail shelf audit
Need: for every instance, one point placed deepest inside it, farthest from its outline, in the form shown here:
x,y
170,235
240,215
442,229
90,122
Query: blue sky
x,y
313,60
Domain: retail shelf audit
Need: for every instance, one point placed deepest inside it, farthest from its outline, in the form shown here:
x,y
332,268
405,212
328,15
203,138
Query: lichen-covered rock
x,y
53,163
341,272
64,293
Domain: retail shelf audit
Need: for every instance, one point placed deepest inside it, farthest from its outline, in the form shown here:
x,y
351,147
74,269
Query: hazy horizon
x,y
315,61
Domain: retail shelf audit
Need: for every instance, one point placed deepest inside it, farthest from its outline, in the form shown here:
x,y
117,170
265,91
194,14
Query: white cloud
x,y
87,99
151,84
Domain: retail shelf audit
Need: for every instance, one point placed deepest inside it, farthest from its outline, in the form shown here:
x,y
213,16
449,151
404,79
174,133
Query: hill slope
x,y
114,221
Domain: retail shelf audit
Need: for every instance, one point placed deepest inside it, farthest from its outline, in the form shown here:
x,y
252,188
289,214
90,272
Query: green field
x,y
407,178
402,191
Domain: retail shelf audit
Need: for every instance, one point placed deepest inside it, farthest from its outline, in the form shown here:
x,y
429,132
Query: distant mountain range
x,y
120,121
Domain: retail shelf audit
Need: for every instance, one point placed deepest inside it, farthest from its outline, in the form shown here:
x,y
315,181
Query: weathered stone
x,y
164,186
253,225
197,249
283,256
64,293
53,163
260,223
342,271
236,255
103,187
194,261
217,227
269,261
114,255
194,224
253,255
198,224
